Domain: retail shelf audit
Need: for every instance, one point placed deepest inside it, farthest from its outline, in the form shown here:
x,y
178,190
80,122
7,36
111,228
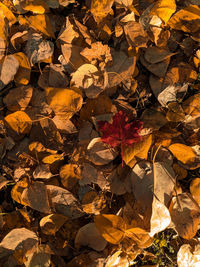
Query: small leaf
x,y
183,153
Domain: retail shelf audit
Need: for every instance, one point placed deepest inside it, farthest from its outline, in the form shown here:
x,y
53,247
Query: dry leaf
x,y
42,171
185,215
100,9
8,14
137,151
22,76
50,224
16,239
195,189
9,66
186,19
19,122
183,153
35,196
70,175
40,23
89,79
93,203
117,259
111,227
89,236
3,35
64,202
155,54
164,9
38,259
35,6
18,98
64,102
121,70
188,256
135,34
100,153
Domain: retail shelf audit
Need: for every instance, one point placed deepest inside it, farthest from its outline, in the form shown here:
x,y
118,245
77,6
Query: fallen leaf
x,y
70,175
188,256
19,122
100,153
42,171
117,258
22,77
18,98
100,9
50,224
8,14
183,153
155,54
93,203
35,6
16,239
9,66
64,102
38,259
40,23
3,35
111,227
164,9
64,202
89,236
137,151
89,79
35,196
186,19
195,189
185,215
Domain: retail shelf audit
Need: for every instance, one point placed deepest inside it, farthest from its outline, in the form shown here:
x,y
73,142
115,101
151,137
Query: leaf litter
x,y
99,133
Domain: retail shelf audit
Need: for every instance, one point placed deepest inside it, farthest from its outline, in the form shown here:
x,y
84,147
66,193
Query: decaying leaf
x,y
188,256
100,9
50,224
195,189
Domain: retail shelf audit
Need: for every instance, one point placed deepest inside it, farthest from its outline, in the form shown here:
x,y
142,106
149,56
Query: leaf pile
x,y
85,86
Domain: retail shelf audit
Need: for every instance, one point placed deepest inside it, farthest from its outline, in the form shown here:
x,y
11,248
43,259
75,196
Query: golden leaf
x,y
138,150
8,14
195,189
111,227
18,189
183,153
19,122
69,174
50,224
35,6
101,8
187,19
22,76
38,22
64,101
164,9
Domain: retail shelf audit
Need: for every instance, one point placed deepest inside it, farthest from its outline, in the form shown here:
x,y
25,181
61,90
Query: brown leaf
x,y
93,203
50,224
64,202
89,236
9,66
185,215
35,196
19,237
155,54
22,77
18,98
100,153
70,175
42,171
100,9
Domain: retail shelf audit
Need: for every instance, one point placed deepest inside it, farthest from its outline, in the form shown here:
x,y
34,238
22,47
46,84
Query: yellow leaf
x,y
183,153
164,9
138,150
65,102
186,19
35,6
195,189
8,14
22,76
191,106
111,227
38,22
139,236
19,122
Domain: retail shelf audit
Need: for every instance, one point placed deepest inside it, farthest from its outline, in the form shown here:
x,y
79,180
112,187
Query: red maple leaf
x,y
120,132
